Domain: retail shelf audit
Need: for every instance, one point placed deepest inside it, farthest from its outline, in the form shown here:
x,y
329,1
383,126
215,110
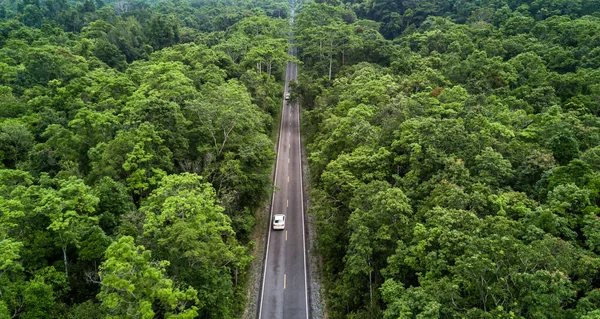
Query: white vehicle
x,y
287,96
279,221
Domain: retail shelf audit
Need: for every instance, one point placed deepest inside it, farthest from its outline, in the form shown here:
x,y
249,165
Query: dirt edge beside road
x,y
256,266
316,303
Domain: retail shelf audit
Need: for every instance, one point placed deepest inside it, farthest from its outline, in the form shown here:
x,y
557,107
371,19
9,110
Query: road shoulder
x,y
313,263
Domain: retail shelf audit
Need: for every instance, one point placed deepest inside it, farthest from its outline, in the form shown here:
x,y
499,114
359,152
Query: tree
x,y
69,210
59,151
15,141
133,286
189,228
109,54
32,16
491,168
10,267
163,31
138,157
323,44
381,214
114,202
167,120
233,142
271,53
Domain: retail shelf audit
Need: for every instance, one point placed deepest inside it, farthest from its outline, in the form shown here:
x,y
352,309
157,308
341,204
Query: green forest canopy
x,y
135,146
454,151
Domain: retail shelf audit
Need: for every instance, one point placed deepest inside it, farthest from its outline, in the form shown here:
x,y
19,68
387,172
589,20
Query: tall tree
x,y
189,228
133,286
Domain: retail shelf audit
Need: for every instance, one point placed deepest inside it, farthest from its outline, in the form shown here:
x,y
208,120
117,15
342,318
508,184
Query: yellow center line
x,y
284,280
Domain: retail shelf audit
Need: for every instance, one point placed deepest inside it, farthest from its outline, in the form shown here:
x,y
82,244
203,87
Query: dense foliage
x,y
135,146
454,150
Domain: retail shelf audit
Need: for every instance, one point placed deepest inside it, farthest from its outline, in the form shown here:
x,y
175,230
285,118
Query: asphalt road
x,y
284,292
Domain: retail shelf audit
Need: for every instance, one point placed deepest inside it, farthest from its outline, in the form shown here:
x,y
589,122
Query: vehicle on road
x,y
279,221
287,96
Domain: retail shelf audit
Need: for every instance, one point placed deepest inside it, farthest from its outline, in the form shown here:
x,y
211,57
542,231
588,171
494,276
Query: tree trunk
x,y
330,65
64,249
320,49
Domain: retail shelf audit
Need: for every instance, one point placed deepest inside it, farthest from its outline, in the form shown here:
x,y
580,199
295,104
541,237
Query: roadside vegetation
x,y
135,147
454,152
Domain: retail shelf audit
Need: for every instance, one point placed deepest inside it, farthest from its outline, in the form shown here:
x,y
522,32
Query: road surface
x,y
284,292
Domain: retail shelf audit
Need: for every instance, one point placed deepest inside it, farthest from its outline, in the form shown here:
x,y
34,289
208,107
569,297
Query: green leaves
x,y
92,122
461,181
10,255
15,141
454,163
132,285
139,157
272,53
187,225
69,211
492,168
234,151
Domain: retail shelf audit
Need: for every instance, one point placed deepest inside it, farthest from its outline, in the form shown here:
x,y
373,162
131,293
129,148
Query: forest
x,y
136,145
454,151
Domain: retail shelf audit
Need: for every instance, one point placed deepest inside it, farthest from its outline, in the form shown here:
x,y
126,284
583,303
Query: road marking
x,y
284,280
288,179
286,203
262,290
286,108
286,235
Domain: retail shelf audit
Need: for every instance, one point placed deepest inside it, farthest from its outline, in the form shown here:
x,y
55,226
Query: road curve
x,y
284,288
